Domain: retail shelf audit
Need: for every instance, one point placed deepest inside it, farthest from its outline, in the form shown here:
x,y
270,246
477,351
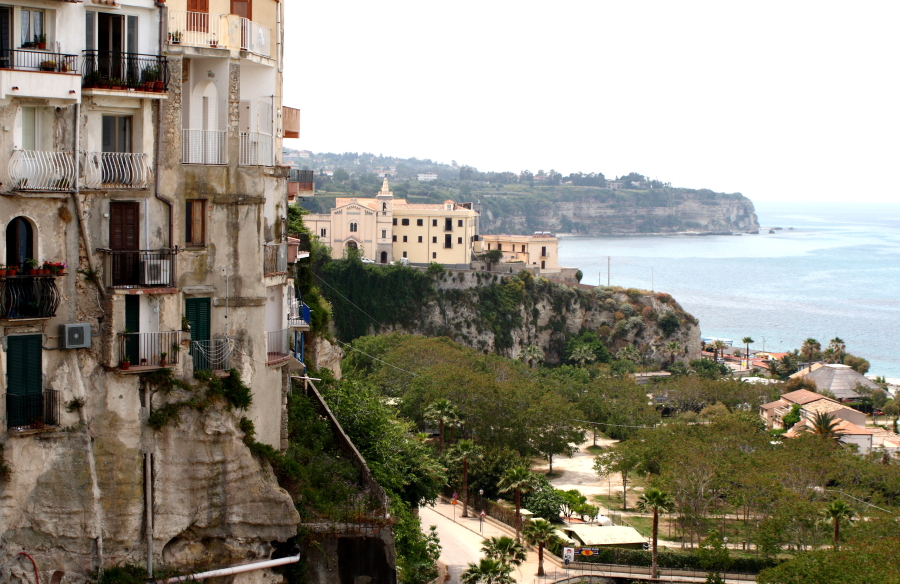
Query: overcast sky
x,y
777,100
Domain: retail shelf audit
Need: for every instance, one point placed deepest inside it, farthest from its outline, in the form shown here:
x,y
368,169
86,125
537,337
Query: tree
x,y
824,425
505,550
443,412
552,430
618,460
517,480
340,175
491,256
747,342
713,554
582,354
656,501
718,349
789,419
465,451
540,533
858,364
836,512
572,501
487,571
838,349
545,501
532,354
673,348
810,348
891,409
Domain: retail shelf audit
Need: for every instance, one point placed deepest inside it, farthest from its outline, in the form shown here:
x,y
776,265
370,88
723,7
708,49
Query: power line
x,y
336,291
352,348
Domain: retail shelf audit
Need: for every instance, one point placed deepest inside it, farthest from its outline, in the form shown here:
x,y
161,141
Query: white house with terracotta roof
x,y
850,433
810,403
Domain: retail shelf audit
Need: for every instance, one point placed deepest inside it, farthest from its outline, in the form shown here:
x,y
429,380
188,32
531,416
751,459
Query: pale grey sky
x,y
778,100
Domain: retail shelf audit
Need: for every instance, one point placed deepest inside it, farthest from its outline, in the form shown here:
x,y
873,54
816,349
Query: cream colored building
x,y
540,249
386,229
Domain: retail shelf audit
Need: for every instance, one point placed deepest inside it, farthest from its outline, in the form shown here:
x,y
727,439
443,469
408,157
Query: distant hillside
x,y
584,204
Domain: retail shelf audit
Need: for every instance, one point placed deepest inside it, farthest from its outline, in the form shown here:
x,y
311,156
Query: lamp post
x,y
481,515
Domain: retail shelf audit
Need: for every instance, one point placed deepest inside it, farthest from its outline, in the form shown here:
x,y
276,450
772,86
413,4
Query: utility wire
x,y
348,300
352,348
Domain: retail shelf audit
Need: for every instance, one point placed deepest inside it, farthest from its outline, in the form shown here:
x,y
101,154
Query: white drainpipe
x,y
236,569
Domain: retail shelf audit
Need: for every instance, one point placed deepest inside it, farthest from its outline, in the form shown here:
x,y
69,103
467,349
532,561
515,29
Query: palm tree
x,y
487,571
539,532
630,353
582,354
718,347
824,425
464,451
672,348
747,342
519,480
505,550
810,348
657,501
532,354
442,411
838,348
837,511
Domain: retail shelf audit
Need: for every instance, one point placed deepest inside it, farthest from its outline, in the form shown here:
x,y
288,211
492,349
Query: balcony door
x,y
242,8
198,15
116,169
19,242
113,39
5,37
124,241
24,378
197,312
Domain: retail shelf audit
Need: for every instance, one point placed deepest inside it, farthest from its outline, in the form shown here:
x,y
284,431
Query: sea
x,y
832,270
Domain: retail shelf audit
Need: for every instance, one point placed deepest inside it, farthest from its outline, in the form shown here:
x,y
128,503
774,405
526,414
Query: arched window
x,y
352,245
19,242
384,257
384,207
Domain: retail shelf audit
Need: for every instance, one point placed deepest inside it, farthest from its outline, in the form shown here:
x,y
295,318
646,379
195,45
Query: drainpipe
x,y
148,504
79,208
159,125
236,570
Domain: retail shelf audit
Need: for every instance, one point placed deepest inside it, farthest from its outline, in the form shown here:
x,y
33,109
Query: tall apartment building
x,y
144,147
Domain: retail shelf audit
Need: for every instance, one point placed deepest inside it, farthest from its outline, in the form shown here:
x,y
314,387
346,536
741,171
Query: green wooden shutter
x,y
23,359
196,310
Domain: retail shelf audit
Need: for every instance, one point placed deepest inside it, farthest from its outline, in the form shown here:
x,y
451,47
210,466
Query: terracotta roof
x,y
824,405
773,405
803,396
843,427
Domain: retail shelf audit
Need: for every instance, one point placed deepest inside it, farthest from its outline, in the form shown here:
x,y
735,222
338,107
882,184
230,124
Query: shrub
x,y
668,323
618,315
633,293
626,309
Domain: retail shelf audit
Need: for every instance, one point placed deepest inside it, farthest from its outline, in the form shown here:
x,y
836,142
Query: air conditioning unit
x,y
75,336
156,273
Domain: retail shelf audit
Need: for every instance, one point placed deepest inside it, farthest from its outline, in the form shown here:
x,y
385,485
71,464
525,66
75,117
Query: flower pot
x,y
10,272
33,272
158,85
42,46
2,273
125,365
162,361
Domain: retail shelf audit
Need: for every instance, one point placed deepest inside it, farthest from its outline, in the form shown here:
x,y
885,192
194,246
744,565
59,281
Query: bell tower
x,y
385,198
384,202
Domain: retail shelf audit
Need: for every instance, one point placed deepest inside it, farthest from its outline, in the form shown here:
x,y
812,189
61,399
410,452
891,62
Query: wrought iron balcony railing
x,y
34,170
203,147
32,410
118,70
154,349
25,60
116,170
278,345
213,354
28,297
148,268
275,258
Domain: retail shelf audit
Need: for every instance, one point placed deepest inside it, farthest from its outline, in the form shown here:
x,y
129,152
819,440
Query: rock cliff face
x,y
601,212
551,314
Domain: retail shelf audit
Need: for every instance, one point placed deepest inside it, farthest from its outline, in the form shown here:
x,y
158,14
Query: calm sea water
x,y
836,274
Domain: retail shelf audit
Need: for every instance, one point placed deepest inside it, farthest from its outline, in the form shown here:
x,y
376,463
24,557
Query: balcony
x,y
300,181
290,118
256,38
150,350
116,170
298,314
257,149
139,269
32,411
28,297
119,71
203,147
33,170
298,248
278,345
275,258
198,29
212,355
39,74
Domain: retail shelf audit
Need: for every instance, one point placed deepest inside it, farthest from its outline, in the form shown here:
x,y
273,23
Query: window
x,y
116,134
394,239
32,25
405,222
106,33
323,232
404,239
543,252
434,222
448,224
19,242
543,264
489,247
404,254
434,255
459,240
448,241
523,249
420,239
29,128
459,223
420,222
24,381
434,239
395,220
353,228
500,246
195,222
384,234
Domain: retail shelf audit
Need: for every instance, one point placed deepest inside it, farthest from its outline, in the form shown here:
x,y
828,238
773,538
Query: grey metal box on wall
x,y
75,336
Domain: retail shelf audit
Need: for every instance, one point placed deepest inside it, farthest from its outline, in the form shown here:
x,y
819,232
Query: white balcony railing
x,y
256,38
203,147
212,355
197,29
278,345
33,170
257,149
116,170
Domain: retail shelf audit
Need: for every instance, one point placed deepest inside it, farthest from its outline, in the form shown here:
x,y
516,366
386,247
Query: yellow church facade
x,y
385,229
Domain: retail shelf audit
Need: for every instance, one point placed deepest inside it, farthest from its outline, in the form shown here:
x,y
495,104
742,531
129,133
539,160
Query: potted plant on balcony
x,y
116,83
162,359
48,65
213,42
11,270
2,270
185,330
125,363
41,41
149,77
175,37
32,265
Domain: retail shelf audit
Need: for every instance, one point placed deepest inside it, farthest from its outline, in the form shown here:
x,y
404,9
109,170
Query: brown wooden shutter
x,y
198,5
124,221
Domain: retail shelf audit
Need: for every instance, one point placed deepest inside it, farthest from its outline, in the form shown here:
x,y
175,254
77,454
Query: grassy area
x,y
594,449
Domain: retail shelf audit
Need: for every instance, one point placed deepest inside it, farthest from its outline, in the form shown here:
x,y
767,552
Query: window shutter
x,y
24,365
89,24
